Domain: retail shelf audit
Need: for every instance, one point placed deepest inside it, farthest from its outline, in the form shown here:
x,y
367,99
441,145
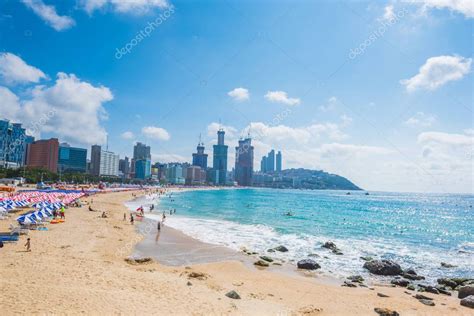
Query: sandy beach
x,y
79,267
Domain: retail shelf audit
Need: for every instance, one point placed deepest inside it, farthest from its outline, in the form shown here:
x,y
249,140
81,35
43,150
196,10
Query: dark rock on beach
x,y
400,282
429,288
411,274
266,258
348,284
356,278
466,291
383,267
468,301
281,249
138,260
233,295
385,312
422,297
308,264
382,295
261,263
447,282
427,302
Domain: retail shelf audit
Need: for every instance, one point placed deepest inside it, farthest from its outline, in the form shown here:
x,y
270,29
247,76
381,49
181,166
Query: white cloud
x,y
125,6
346,120
49,15
281,97
329,105
465,7
156,133
446,139
239,94
421,119
70,109
13,69
388,13
127,135
10,104
438,71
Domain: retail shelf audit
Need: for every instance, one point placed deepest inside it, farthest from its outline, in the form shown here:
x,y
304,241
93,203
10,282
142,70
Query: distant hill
x,y
318,180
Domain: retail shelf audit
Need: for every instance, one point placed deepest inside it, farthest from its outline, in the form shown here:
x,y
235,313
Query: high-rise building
x,y
124,167
195,175
219,163
278,161
271,161
174,174
143,169
103,162
13,144
263,164
72,159
200,158
244,162
141,151
43,154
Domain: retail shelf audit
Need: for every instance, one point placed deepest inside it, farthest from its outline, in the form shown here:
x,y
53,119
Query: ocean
x,y
416,230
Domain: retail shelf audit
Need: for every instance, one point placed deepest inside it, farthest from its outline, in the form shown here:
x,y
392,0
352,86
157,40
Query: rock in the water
x,y
313,255
385,312
271,250
447,265
465,291
400,282
448,282
308,264
427,302
233,295
367,258
281,249
410,274
266,258
382,295
468,301
332,246
443,290
383,267
261,263
356,278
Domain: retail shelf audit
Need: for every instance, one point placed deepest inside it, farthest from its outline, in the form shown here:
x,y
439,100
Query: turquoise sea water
x,y
416,230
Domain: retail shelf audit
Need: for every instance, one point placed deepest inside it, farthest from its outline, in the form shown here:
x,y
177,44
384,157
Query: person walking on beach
x,y
124,216
28,245
131,219
163,217
158,227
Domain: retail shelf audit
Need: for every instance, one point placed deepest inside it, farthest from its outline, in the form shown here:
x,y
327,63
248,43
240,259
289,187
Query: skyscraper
x,y
44,154
263,164
278,161
13,144
72,159
200,158
219,163
103,162
244,162
142,161
124,167
271,161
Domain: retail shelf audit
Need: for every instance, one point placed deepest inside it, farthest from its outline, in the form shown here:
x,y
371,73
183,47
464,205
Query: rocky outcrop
x,y
266,258
356,278
411,274
468,301
400,282
308,264
261,263
383,267
429,288
466,291
281,249
332,246
135,261
447,265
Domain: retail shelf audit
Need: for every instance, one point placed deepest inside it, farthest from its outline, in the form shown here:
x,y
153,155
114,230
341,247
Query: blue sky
x,y
379,92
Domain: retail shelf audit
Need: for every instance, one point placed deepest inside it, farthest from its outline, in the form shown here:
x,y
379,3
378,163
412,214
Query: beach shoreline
x,y
80,267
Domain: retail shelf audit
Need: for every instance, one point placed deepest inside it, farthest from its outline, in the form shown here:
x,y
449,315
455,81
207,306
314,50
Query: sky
x,y
380,92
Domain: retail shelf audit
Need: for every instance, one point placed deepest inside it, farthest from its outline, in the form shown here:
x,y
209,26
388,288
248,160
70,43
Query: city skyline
x,y
387,105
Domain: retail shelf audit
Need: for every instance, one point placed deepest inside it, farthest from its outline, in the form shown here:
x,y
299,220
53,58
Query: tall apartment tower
x,y
219,162
200,158
44,154
278,161
244,162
